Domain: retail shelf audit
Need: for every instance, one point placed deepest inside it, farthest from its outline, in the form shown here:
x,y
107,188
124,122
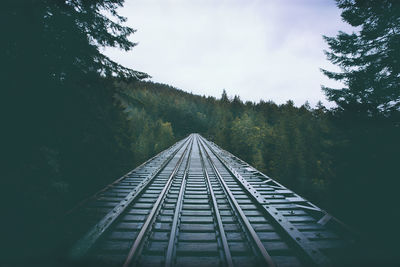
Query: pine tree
x,y
224,97
369,58
61,131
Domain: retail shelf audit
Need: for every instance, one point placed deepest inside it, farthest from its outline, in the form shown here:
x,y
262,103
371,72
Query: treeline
x,y
291,144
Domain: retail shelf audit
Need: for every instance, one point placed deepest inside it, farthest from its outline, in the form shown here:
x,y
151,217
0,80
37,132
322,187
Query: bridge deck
x,y
195,203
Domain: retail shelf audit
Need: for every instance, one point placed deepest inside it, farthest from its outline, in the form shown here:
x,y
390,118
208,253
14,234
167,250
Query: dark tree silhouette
x,y
366,121
61,130
369,57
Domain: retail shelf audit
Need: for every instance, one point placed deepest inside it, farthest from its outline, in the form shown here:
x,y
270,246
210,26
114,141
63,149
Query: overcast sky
x,y
265,49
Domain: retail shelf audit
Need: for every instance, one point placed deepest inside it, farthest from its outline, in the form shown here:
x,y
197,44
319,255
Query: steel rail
x,y
312,207
178,208
263,252
309,250
339,224
277,185
325,216
138,241
227,252
83,245
109,186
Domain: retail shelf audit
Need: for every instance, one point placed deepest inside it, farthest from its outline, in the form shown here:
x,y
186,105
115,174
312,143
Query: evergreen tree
x,y
366,133
63,135
369,58
224,97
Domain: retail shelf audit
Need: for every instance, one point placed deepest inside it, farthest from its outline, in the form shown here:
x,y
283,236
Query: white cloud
x,y
256,49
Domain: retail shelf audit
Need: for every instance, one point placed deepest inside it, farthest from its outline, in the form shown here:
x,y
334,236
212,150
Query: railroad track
x,y
196,204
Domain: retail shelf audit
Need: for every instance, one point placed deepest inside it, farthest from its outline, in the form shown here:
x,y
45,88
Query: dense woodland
x,y
286,142
74,121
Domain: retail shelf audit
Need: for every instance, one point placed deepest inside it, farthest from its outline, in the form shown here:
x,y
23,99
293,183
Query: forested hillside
x,y
288,143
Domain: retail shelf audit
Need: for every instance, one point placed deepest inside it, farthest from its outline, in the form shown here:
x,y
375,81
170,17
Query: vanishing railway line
x,y
196,204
